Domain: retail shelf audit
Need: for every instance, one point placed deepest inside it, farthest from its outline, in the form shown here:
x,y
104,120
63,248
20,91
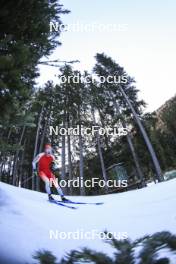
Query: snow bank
x,y
27,219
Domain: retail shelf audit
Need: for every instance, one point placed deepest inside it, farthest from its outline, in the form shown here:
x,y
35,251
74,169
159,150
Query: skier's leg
x,y
56,185
47,186
47,183
58,188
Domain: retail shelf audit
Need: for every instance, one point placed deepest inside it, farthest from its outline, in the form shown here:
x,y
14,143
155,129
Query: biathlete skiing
x,y
44,161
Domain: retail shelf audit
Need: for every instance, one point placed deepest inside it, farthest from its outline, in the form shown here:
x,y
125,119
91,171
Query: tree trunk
x,y
21,165
81,160
100,152
131,146
69,155
146,138
15,165
63,150
36,143
103,125
43,136
136,160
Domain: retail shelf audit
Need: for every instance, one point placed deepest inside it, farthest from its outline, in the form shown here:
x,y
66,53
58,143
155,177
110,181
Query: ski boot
x,y
50,197
65,200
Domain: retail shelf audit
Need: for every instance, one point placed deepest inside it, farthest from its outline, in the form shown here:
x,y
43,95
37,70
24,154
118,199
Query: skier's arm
x,y
54,159
36,160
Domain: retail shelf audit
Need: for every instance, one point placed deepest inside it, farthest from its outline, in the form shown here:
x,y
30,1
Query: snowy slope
x,y
26,219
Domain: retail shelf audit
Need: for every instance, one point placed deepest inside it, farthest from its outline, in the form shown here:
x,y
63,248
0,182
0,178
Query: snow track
x,y
27,219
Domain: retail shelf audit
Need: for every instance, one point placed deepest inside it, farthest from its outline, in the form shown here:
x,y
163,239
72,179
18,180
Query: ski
x,y
72,202
62,204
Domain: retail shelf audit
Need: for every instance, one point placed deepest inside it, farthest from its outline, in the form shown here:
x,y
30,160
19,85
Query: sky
x,y
144,42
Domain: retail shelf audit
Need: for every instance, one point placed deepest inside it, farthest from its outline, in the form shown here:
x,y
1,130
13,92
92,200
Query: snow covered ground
x,y
27,220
